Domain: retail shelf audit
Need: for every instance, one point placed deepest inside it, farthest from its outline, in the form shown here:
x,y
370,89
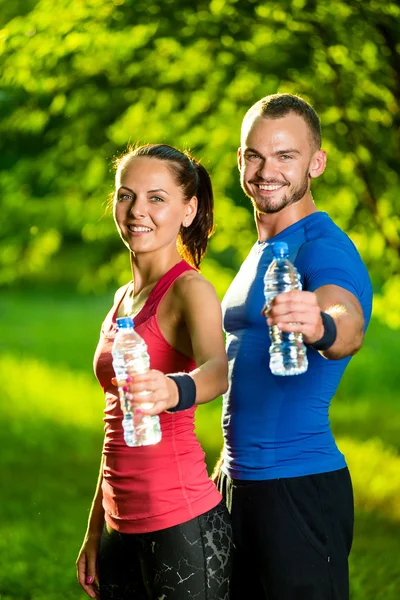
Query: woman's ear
x,y
239,158
190,212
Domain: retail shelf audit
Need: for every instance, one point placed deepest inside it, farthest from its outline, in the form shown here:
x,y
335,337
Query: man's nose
x,y
267,169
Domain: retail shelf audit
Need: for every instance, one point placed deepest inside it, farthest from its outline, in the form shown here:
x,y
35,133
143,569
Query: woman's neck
x,y
146,271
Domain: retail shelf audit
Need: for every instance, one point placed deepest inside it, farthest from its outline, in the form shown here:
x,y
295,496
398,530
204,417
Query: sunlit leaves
x,y
83,78
386,304
377,464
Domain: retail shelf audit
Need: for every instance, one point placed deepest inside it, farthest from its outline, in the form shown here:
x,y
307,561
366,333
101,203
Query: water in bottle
x,y
288,354
130,356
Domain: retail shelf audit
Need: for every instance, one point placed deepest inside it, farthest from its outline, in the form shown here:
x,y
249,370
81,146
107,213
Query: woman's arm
x,y
199,309
86,563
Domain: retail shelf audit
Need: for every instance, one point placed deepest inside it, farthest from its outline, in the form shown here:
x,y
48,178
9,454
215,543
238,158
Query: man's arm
x,y
300,311
347,313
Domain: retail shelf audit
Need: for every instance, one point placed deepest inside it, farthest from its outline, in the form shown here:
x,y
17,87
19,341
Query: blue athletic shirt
x,y
278,426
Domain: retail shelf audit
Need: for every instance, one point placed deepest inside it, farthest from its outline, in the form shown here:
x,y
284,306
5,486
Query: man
x,y
285,482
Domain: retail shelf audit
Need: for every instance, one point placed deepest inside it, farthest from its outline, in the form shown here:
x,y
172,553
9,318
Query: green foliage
x,y
82,78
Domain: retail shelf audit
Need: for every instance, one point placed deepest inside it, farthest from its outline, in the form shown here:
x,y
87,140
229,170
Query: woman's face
x,y
149,207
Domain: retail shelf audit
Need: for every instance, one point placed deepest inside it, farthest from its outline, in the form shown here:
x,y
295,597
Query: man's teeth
x,y
270,188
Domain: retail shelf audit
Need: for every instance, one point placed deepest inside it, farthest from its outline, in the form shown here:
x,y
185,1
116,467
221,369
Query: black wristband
x,y
186,390
330,332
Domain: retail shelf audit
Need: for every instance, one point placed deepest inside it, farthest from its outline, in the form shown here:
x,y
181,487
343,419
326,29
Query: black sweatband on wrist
x,y
186,391
330,332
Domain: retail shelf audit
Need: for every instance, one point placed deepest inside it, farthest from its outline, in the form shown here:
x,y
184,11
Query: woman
x,y
157,526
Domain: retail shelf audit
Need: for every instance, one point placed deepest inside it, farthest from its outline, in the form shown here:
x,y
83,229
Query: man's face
x,y
274,162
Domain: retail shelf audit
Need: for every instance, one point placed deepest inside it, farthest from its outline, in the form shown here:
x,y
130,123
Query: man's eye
x,y
252,156
286,156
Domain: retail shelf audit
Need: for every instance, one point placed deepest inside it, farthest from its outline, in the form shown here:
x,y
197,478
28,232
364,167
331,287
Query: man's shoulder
x,y
329,256
323,227
323,235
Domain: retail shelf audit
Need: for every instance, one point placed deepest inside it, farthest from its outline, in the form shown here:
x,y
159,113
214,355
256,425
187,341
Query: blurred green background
x,y
79,79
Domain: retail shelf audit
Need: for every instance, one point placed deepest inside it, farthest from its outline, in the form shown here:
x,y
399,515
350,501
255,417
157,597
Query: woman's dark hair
x,y
194,180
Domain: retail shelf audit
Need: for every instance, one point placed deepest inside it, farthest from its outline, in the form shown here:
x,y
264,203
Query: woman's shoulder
x,y
121,291
192,284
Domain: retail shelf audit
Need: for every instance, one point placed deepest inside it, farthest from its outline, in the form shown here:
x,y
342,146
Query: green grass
x,y
57,327
51,424
366,404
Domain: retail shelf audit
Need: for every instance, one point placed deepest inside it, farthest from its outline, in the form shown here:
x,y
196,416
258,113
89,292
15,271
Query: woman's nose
x,y
138,208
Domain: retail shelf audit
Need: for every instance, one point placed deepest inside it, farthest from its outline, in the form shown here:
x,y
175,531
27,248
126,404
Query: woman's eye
x,y
157,199
122,197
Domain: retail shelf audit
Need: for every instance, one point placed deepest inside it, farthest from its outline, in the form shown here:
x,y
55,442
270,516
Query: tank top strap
x,y
160,289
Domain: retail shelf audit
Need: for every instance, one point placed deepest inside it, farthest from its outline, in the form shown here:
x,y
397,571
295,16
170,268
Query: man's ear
x,y
318,164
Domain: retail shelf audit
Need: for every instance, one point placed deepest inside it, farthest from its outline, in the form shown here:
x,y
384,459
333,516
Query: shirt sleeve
x,y
326,262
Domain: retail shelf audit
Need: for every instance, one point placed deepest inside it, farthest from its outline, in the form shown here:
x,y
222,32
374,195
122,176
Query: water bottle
x,y
288,354
130,356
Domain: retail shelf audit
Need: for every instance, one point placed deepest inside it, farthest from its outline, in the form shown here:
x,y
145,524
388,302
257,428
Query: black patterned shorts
x,y
191,561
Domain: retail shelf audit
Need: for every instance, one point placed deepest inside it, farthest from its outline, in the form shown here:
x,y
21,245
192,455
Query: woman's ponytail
x,y
193,240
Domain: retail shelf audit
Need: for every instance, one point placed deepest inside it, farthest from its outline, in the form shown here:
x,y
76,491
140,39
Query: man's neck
x,y
269,225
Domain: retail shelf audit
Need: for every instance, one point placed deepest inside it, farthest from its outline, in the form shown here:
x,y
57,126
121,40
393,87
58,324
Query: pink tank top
x,y
151,487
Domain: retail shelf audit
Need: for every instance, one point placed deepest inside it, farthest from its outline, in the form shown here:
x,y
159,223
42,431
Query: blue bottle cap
x,y
280,249
125,323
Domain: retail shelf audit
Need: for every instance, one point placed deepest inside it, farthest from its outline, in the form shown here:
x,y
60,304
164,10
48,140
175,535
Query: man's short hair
x,y
276,106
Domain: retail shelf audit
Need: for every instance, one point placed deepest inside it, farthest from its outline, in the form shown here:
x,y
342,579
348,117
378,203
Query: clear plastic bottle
x,y
288,354
130,356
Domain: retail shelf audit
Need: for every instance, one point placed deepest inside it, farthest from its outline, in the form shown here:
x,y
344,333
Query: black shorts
x,y
292,536
191,560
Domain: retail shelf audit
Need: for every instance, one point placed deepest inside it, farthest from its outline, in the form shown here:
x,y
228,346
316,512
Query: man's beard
x,y
266,206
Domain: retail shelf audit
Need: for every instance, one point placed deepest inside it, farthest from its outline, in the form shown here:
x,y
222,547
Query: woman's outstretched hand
x,y
150,393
